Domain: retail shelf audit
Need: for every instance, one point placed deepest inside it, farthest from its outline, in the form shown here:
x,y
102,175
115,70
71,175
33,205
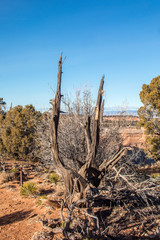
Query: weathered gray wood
x,y
101,113
69,175
55,118
90,161
87,127
118,156
96,123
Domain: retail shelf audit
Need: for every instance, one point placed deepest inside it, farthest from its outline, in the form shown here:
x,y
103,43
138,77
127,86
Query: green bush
x,y
149,117
28,189
53,177
18,133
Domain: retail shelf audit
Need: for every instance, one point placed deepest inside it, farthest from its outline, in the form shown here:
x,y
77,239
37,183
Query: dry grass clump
x,y
40,199
54,178
28,189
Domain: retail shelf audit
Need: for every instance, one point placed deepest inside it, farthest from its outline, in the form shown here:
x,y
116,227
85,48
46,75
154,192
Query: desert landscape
x,y
79,120
38,215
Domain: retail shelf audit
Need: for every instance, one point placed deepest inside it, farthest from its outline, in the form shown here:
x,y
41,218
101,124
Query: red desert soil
x,y
19,216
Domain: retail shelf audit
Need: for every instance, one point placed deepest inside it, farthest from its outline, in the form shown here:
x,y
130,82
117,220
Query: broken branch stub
x,y
68,174
89,168
55,118
96,122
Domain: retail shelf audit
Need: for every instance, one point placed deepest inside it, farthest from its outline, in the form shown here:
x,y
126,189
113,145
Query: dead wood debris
x,y
114,201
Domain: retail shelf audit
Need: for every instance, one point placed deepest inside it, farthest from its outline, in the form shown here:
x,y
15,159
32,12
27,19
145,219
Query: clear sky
x,y
120,38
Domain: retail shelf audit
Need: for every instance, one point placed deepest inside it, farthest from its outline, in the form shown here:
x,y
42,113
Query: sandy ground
x,y
17,215
20,216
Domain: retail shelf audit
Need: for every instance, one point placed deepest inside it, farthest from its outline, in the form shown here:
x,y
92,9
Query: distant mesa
x,y
109,111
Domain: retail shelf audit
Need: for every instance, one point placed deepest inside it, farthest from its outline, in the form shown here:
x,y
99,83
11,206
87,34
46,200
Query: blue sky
x,y
120,38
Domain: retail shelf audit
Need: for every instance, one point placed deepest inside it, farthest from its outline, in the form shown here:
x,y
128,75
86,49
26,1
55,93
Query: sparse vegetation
x,y
40,198
28,189
104,194
54,178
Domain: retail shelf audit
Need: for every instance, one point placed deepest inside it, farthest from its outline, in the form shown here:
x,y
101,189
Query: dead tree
x,y
68,174
89,173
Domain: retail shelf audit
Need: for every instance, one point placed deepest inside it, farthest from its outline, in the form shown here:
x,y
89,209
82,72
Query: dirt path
x,y
18,216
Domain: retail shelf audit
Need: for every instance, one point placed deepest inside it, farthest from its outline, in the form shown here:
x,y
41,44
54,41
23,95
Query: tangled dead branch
x,y
116,199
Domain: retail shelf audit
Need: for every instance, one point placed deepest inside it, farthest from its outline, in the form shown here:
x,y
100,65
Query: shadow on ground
x,y
46,191
14,217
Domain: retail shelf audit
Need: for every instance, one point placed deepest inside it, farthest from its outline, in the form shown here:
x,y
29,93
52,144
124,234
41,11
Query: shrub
x,y
28,189
18,133
149,117
14,170
53,177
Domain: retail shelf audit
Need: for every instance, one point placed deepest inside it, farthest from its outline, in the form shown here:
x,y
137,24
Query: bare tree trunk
x,y
55,119
69,175
87,127
90,161
101,113
96,125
